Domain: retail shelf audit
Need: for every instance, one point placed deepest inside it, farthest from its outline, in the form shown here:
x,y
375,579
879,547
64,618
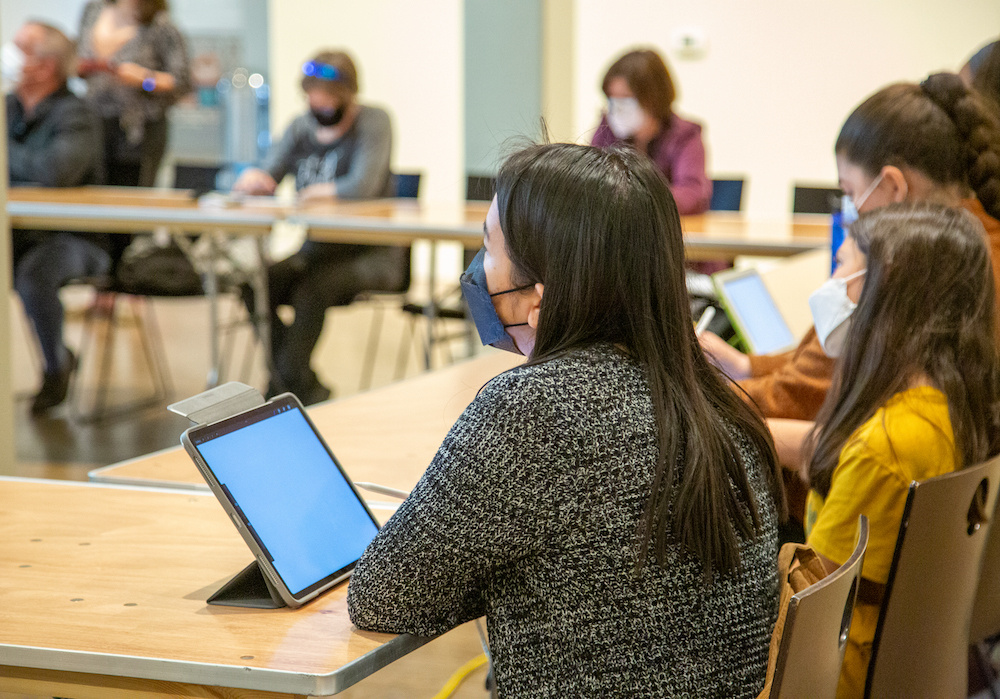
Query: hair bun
x,y
945,89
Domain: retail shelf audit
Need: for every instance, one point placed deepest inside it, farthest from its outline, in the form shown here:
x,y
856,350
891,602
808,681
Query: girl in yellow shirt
x,y
914,393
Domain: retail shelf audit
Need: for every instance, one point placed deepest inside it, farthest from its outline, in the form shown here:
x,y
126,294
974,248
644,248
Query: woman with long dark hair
x,y
935,141
611,506
916,392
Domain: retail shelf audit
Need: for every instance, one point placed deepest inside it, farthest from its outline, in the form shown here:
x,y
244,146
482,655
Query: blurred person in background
x,y
136,65
53,140
641,94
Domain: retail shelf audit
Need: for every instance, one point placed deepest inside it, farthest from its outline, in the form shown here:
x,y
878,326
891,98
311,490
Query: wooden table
x,y
139,210
401,221
103,587
716,235
387,436
135,209
376,222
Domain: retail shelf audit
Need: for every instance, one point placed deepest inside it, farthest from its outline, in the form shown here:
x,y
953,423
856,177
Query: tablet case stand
x,y
250,587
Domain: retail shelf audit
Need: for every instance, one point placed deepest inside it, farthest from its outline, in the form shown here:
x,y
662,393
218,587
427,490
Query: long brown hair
x,y
649,80
600,229
927,309
940,127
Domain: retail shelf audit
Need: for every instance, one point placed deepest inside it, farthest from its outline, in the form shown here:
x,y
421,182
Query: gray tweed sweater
x,y
528,514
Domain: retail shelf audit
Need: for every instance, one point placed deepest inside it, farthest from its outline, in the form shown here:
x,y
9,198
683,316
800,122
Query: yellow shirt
x,y
908,439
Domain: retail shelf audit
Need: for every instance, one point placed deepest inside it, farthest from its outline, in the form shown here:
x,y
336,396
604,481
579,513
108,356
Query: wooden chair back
x,y
921,643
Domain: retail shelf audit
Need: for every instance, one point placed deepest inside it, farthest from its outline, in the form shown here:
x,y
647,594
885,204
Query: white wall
x,y
779,76
409,59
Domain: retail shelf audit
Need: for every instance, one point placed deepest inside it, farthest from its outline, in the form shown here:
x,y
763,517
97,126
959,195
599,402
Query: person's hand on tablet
x,y
730,360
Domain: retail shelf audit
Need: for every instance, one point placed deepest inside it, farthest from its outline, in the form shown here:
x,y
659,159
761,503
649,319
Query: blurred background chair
x,y
407,187
480,187
443,319
727,194
921,642
814,200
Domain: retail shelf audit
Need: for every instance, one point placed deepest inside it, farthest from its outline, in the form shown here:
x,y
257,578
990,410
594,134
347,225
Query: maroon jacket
x,y
679,152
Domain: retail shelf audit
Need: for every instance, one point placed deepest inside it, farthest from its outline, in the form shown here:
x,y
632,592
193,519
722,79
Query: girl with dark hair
x,y
610,506
641,95
915,395
933,142
136,65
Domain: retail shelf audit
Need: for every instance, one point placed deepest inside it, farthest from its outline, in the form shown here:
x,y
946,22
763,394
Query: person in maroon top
x,y
640,112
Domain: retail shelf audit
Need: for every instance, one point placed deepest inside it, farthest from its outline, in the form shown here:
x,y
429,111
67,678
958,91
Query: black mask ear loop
x,y
510,291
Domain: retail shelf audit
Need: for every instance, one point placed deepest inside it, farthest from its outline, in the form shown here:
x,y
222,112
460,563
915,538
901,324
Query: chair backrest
x,y
727,195
480,187
814,200
407,184
986,611
921,643
200,178
814,635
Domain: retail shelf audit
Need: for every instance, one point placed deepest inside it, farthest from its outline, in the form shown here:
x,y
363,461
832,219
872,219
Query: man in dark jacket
x,y
53,140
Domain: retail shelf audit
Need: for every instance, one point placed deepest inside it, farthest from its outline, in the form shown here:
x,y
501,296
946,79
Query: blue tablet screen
x,y
758,316
307,518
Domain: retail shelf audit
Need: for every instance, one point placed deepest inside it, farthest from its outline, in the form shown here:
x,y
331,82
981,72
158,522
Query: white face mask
x,y
11,64
831,312
849,207
624,116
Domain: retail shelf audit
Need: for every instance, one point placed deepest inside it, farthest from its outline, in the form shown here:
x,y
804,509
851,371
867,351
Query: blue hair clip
x,y
323,71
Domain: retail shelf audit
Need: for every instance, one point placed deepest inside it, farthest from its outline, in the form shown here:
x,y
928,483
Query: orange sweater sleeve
x,y
791,385
992,227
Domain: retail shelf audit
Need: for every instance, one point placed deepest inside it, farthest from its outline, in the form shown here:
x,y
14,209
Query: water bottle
x,y
836,235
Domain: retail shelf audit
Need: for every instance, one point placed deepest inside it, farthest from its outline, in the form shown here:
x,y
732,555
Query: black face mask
x,y
327,118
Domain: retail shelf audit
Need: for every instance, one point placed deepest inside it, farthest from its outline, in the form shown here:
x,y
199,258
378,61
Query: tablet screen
x,y
279,475
756,313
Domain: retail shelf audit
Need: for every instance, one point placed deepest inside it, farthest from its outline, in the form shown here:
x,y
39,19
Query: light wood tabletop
x,y
374,222
386,436
105,587
400,221
134,209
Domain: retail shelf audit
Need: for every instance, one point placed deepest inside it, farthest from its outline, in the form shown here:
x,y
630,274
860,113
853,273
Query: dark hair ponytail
x,y
979,130
940,128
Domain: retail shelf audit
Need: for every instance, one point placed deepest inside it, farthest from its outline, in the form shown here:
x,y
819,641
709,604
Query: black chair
x,y
480,187
815,200
451,307
200,178
171,276
407,186
727,194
